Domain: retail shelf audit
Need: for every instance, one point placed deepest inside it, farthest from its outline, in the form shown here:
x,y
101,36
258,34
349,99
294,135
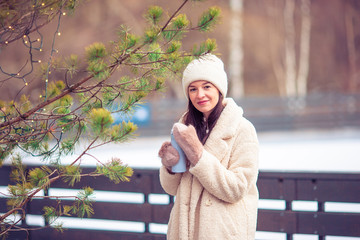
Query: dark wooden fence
x,y
287,188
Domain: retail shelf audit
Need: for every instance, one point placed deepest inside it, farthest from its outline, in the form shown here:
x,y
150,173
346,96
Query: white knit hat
x,y
209,68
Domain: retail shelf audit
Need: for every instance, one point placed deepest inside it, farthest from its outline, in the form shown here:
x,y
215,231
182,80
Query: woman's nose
x,y
200,93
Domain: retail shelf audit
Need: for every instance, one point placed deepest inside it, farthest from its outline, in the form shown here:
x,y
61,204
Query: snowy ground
x,y
310,150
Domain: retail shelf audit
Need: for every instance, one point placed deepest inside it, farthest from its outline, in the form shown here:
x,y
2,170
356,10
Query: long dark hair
x,y
196,118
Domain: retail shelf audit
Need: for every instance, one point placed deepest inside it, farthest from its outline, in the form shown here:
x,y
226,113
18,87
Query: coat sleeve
x,y
231,184
168,181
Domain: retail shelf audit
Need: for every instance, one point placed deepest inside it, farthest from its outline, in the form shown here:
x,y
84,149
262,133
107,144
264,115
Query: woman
x,y
216,198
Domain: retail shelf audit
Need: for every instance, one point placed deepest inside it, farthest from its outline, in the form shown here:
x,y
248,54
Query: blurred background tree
x,y
78,95
320,38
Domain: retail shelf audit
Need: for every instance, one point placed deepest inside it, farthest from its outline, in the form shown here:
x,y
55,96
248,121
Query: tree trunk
x,y
273,13
290,55
350,39
236,50
304,48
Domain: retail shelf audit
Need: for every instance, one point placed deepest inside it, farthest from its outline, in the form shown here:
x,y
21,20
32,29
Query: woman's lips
x,y
202,102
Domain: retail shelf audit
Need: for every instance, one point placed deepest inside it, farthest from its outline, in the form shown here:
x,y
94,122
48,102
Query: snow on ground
x,y
307,150
334,151
310,150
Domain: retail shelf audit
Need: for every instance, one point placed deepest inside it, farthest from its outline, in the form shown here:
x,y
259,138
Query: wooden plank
x,y
269,188
156,186
4,175
139,182
328,190
161,213
277,188
328,223
276,221
319,223
18,235
102,210
310,186
92,235
115,211
309,175
3,205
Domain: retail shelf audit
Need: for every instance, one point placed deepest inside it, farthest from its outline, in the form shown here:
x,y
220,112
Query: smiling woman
x,y
204,96
216,197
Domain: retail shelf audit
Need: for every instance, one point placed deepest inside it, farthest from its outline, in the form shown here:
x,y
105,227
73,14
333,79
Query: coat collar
x,y
225,128
228,120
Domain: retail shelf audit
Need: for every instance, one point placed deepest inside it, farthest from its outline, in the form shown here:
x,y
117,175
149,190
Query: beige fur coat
x,y
217,198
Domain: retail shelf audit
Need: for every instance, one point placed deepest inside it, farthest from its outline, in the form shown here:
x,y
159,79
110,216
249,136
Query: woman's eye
x,y
192,89
207,86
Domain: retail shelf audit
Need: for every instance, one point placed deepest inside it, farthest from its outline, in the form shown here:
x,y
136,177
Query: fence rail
x,y
285,187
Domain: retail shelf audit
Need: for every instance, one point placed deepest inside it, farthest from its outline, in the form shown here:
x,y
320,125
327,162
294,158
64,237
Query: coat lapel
x,y
225,129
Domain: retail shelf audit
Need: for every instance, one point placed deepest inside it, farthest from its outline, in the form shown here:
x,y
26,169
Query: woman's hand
x,y
169,155
189,142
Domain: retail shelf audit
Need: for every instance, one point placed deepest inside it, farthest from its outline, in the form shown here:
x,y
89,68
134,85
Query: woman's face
x,y
204,96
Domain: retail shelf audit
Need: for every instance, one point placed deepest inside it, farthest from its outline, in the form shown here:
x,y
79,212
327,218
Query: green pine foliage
x,y
83,204
115,171
71,64
96,57
209,44
71,174
75,114
100,119
209,19
39,177
122,132
154,14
